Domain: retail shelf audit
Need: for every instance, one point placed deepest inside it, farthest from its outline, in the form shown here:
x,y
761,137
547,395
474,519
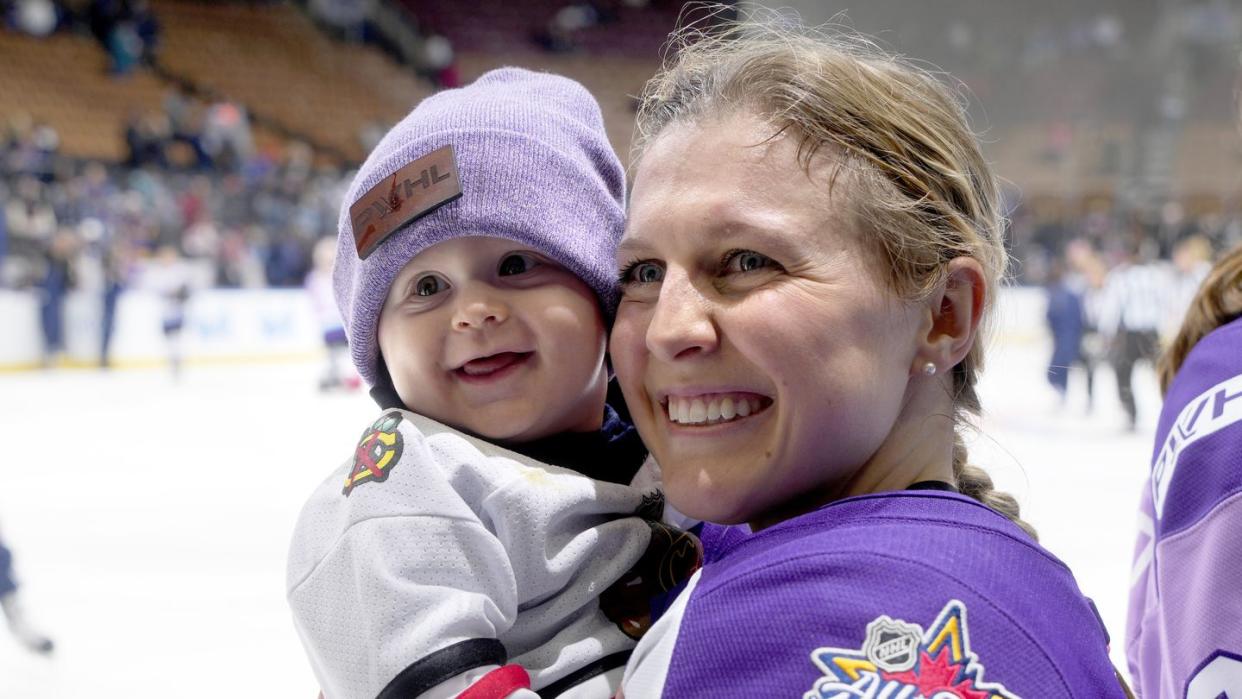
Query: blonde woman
x,y
813,247
1184,633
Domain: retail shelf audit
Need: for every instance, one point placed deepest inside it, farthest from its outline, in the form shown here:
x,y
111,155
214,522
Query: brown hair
x,y
1218,301
922,193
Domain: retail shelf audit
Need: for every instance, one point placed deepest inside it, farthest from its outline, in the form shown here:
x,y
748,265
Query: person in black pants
x,y
14,613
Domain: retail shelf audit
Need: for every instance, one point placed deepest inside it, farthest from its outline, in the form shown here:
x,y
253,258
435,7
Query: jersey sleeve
x,y
395,583
1184,628
1189,631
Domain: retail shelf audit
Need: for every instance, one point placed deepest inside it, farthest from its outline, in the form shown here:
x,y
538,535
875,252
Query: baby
x,y
496,531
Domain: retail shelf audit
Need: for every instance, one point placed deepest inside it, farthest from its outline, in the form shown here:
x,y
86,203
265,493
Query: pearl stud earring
x,y
929,369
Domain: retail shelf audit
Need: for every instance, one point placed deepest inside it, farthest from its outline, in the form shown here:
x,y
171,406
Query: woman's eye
x,y
746,261
642,273
516,264
429,285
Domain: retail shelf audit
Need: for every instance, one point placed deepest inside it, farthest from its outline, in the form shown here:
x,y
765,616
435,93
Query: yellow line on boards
x,y
150,363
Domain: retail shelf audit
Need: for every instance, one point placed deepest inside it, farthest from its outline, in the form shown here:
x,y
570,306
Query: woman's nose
x,y
681,323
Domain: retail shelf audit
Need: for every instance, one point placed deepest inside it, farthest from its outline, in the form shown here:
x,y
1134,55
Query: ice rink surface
x,y
149,517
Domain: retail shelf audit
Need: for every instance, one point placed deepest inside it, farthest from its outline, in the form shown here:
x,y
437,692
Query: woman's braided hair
x,y
920,191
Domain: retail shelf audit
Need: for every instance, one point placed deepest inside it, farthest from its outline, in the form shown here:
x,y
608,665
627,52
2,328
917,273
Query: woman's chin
x,y
704,503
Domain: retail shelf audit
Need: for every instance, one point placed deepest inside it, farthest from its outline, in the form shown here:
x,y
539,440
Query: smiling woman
x,y
812,249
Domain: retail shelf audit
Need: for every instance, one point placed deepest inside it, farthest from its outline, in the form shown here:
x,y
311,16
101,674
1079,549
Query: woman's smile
x,y
709,409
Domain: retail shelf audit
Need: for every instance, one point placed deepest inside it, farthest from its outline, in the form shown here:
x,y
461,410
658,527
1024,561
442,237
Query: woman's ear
x,y
954,309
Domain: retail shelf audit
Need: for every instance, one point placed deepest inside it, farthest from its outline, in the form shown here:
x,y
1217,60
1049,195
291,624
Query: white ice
x,y
149,518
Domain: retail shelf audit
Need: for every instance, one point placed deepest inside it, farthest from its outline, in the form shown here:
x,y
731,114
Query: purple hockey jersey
x,y
1184,632
901,595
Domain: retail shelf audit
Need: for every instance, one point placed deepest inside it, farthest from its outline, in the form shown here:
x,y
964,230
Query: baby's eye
x,y
516,263
429,285
746,261
642,273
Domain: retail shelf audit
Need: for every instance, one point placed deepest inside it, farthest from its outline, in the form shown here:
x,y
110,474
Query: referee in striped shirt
x,y
1133,303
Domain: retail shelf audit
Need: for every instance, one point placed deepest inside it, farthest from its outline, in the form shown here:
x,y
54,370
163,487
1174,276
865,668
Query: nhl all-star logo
x,y
892,645
900,660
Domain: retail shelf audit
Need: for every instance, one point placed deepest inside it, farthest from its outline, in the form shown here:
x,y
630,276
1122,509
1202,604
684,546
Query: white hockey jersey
x,y
431,553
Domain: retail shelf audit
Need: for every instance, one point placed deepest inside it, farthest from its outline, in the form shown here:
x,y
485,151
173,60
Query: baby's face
x,y
494,338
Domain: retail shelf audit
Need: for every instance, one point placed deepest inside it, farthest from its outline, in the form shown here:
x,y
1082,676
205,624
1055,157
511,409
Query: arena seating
x,y
62,81
635,31
275,61
615,81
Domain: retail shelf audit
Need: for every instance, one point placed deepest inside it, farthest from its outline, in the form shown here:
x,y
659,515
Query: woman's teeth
x,y
709,410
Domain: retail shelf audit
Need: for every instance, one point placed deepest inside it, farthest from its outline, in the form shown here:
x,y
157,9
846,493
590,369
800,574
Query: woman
x,y
1184,632
814,243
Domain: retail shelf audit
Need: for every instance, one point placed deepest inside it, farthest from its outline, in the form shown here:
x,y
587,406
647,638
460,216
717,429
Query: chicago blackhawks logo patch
x,y
899,660
377,452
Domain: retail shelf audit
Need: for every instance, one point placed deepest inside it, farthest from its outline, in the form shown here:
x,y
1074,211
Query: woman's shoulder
x,y
908,544
917,526
894,589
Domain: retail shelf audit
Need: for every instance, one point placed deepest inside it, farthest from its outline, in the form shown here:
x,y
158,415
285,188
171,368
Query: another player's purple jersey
x,y
1184,635
902,595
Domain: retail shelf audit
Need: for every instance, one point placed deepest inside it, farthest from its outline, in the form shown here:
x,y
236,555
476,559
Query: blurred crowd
x,y
70,223
126,29
1118,285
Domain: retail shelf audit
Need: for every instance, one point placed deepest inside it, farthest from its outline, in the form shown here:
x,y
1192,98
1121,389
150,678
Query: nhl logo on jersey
x,y
901,660
377,452
892,645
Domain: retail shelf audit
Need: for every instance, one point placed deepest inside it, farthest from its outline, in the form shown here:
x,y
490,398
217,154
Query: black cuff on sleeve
x,y
444,665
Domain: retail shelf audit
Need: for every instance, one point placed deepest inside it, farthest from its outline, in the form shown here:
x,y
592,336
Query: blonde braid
x,y
974,482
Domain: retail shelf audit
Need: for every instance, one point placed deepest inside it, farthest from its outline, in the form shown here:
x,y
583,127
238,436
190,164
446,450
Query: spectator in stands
x,y
557,35
95,191
286,261
32,147
146,27
185,120
347,19
35,17
237,262
30,220
438,62
127,29
146,136
226,135
101,17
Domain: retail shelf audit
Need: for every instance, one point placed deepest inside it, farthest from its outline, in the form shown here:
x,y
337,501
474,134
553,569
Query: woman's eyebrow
x,y
632,247
730,232
736,233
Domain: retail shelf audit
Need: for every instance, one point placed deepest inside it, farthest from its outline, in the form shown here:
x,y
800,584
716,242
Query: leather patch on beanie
x,y
407,194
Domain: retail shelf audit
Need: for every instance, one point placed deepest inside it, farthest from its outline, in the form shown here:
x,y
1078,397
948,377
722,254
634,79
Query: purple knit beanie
x,y
515,154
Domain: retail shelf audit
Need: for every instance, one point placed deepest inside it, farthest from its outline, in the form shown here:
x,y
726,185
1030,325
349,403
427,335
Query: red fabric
x,y
498,683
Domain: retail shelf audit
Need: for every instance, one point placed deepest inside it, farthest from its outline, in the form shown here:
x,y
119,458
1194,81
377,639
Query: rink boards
x,y
252,325
220,325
